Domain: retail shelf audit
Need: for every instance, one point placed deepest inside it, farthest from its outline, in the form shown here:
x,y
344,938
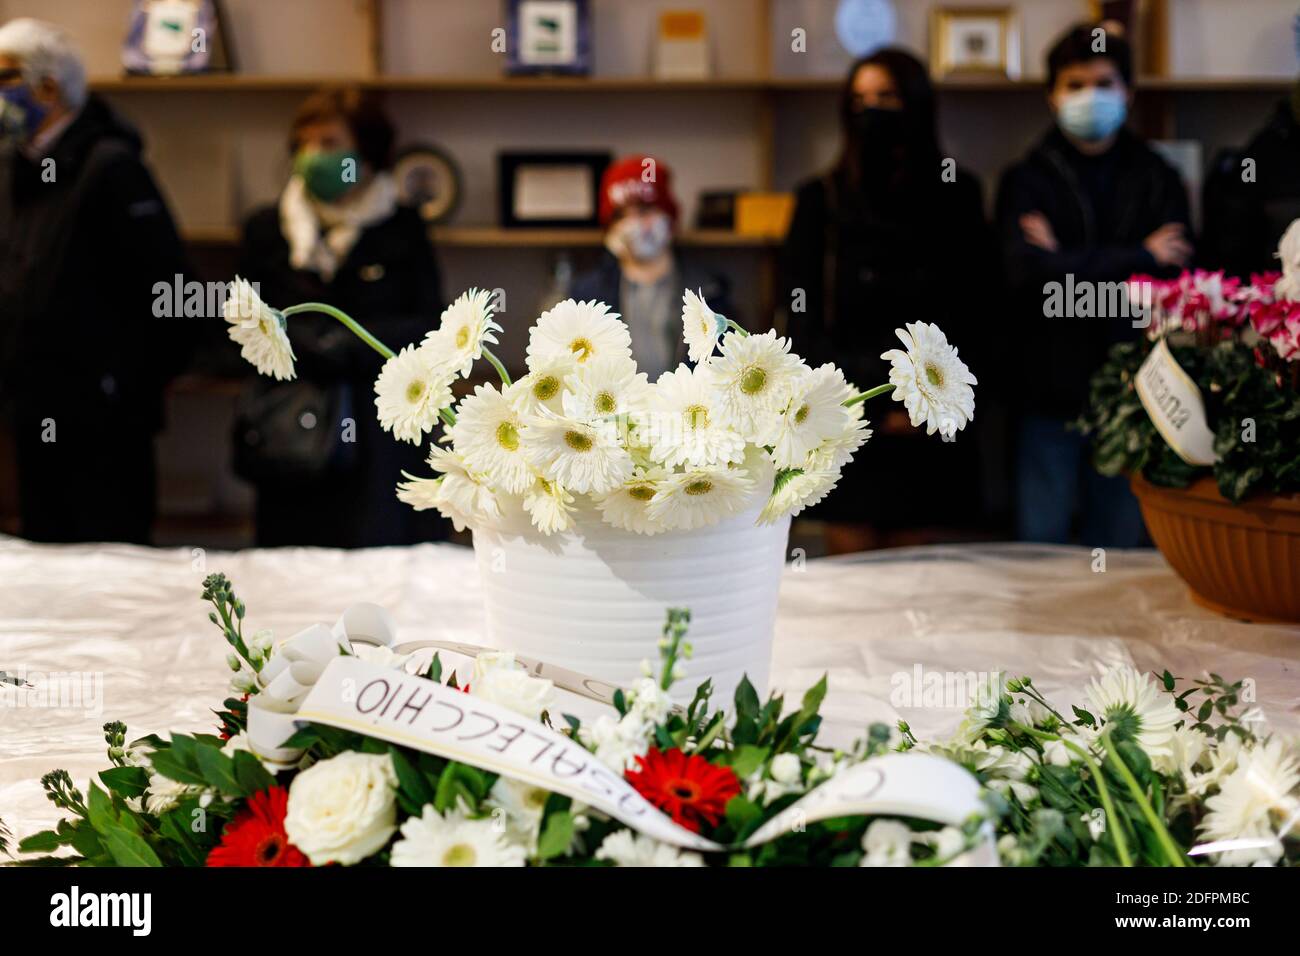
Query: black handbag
x,y
294,432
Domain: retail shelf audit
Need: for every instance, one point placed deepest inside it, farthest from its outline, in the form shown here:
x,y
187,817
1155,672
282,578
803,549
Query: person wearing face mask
x,y
640,274
891,234
84,237
1091,203
337,235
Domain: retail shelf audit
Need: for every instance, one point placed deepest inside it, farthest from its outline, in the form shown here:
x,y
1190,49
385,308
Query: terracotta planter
x,y
1239,560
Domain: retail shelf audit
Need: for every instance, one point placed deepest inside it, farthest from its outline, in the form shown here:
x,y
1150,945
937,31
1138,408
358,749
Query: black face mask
x,y
879,130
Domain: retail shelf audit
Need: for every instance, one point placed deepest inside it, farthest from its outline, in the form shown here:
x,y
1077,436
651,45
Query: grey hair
x,y
45,52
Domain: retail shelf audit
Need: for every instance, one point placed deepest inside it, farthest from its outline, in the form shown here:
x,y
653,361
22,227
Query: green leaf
x,y
127,781
412,782
129,849
46,841
166,764
746,700
556,835
218,770
174,828
434,673
1207,708
747,758
252,776
99,810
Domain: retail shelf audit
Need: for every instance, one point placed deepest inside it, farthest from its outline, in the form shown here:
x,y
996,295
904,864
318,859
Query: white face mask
x,y
642,238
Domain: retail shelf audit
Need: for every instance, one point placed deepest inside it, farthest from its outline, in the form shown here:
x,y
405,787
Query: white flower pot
x,y
594,600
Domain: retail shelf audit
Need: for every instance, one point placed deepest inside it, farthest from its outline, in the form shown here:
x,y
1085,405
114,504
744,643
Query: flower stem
x,y
352,324
496,364
1174,855
735,327
870,393
1112,818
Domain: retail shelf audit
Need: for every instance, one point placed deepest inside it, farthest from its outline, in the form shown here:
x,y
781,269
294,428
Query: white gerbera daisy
x,y
584,458
1135,708
687,425
627,506
487,436
605,388
581,331
931,381
816,413
629,848
794,490
1256,802
466,325
549,506
463,498
700,496
523,804
834,453
454,840
754,377
258,330
701,326
412,388
544,387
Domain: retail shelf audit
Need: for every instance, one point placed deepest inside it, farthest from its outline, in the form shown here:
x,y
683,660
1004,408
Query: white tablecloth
x,y
130,619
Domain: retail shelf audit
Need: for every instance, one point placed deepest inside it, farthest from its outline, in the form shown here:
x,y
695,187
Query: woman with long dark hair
x,y
893,233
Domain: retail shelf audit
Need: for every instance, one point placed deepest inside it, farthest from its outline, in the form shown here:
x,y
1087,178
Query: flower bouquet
x,y
598,498
345,748
1210,402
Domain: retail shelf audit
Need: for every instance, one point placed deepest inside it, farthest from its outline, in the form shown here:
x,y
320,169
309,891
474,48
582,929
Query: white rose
x,y
512,687
786,769
1288,250
343,809
887,843
490,661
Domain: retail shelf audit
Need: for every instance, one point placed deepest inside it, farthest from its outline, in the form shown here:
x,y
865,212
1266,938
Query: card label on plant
x,y
1174,403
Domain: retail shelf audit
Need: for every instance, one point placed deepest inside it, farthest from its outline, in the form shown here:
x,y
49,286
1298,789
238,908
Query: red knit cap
x,y
625,183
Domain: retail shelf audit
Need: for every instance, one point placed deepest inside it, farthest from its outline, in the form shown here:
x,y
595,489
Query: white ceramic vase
x,y
594,600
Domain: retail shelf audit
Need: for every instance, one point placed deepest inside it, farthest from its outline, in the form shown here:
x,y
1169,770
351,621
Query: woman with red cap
x,y
640,274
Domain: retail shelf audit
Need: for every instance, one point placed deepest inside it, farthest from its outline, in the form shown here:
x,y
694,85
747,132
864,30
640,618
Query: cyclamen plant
x,y
1240,342
1140,773
746,425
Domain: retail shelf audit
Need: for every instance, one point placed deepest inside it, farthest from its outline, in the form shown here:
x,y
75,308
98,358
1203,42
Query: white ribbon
x,y
311,680
1174,403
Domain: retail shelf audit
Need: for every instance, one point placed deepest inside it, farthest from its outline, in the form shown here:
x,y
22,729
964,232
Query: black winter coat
x,y
1058,356
389,282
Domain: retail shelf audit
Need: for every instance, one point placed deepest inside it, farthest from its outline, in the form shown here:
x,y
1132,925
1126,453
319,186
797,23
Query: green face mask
x,y
328,176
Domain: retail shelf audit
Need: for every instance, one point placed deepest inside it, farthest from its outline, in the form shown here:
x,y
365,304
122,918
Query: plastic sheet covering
x,y
879,625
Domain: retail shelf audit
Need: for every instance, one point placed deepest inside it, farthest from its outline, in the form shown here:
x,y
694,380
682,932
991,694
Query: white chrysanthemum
x,y
164,793
1256,802
581,331
412,388
464,498
627,506
687,425
543,388
701,326
259,331
930,380
523,804
432,839
1135,708
886,843
816,414
549,506
584,458
465,327
629,848
605,388
754,377
700,496
794,490
487,436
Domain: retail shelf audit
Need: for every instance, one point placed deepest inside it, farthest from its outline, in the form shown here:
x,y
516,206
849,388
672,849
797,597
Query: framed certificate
x,y
169,37
548,36
974,42
550,190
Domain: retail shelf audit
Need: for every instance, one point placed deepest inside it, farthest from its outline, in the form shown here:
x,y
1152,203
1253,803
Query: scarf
x,y
320,235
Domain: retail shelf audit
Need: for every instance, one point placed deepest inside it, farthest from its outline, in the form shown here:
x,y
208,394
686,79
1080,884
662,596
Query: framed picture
x,y
550,190
429,181
548,36
974,42
169,37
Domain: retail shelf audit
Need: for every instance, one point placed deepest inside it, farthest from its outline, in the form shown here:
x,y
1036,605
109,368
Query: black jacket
x,y
1245,218
83,241
1059,355
388,282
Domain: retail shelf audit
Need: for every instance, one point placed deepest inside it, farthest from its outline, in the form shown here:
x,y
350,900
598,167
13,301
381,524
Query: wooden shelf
x,y
244,83
479,237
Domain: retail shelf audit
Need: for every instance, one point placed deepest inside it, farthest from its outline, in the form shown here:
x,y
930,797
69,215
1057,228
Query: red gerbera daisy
x,y
256,836
689,789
